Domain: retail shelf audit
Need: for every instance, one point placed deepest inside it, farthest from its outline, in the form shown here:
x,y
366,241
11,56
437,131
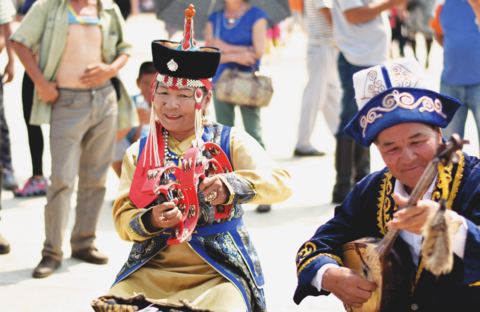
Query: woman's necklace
x,y
168,155
233,20
230,22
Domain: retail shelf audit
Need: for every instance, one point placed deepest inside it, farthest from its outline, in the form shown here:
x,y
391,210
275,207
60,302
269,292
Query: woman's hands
x,y
165,215
245,58
214,189
243,55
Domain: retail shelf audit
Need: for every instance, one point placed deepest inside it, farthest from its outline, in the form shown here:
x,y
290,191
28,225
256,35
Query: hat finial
x,y
190,11
188,42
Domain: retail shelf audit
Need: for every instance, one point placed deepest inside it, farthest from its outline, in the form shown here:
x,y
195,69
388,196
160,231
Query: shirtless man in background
x,y
78,54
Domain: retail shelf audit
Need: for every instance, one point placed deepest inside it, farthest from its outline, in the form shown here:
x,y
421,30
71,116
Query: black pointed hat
x,y
184,63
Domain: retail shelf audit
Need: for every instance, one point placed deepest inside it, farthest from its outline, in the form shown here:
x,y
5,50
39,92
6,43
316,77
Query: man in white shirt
x,y
404,121
362,33
323,91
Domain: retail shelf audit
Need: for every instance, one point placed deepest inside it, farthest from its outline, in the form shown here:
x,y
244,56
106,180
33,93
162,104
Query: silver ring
x,y
211,196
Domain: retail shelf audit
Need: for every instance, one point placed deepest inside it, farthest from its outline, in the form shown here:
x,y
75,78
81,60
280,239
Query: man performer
x,y
403,120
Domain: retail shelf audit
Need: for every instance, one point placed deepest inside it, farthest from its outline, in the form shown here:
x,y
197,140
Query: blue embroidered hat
x,y
393,93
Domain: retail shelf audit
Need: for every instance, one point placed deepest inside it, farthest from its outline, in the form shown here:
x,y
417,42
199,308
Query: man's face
x,y
407,149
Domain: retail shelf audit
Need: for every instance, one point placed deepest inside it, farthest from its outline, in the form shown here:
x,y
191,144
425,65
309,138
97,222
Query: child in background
x,y
126,137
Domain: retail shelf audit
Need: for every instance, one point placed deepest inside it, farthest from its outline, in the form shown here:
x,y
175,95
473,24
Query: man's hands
x,y
47,91
413,218
8,73
97,74
165,215
352,289
215,191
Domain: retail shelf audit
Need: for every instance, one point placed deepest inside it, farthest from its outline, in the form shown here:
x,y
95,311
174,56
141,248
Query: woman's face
x,y
230,2
175,109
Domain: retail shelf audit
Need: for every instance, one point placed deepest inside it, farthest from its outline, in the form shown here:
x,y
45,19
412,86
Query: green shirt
x,y
7,11
44,30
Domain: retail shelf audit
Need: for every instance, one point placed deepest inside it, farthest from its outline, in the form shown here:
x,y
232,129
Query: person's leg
x,y
9,182
331,106
96,157
473,100
362,162
224,112
120,148
67,128
37,184
413,43
4,244
314,95
344,159
457,125
35,137
347,160
252,122
428,44
402,39
125,7
397,34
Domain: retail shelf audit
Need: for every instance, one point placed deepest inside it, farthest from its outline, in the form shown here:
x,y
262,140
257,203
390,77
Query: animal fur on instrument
x,y
437,244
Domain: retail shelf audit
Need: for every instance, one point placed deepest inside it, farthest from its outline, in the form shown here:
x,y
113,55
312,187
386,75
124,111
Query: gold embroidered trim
x,y
403,100
421,266
446,173
453,193
457,180
384,202
334,257
307,249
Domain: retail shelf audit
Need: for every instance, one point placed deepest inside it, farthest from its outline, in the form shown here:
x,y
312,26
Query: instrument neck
x,y
385,245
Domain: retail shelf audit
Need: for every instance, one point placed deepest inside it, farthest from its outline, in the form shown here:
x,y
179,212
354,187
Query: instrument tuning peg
x,y
455,159
457,141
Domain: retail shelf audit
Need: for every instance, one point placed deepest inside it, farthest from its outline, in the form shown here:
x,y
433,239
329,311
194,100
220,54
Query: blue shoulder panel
x,y
143,141
225,141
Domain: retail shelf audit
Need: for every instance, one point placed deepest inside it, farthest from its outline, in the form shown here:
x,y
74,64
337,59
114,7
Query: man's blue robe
x,y
365,213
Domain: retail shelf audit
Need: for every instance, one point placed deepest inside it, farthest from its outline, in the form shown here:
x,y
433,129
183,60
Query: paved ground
x,y
277,235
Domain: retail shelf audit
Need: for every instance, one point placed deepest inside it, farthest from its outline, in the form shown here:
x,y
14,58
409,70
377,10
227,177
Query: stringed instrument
x,y
377,260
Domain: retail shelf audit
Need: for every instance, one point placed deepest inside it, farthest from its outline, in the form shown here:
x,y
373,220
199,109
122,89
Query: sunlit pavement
x,y
276,235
